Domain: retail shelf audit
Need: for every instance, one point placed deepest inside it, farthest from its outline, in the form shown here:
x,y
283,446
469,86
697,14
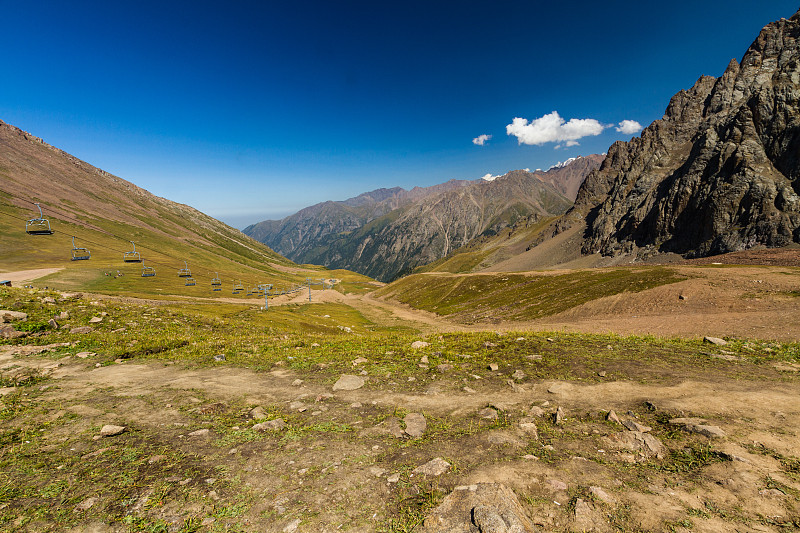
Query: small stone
x,y
213,495
518,374
612,417
297,382
488,413
635,426
95,320
770,493
377,471
536,411
415,424
528,425
394,478
110,430
348,382
315,344
63,315
48,300
156,459
488,344
199,433
681,297
300,406
444,367
424,359
52,323
292,526
715,341
434,467
556,484
258,413
558,416
469,390
86,504
356,405
494,367
600,494
712,432
602,373
219,357
271,425
359,360
416,345
82,329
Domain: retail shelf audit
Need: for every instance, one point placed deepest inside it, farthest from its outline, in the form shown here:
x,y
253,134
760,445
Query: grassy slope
x,y
104,213
485,250
469,298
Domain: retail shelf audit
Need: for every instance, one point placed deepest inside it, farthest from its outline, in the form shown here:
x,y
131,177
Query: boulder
x,y
434,467
415,424
110,430
485,507
11,316
270,425
348,382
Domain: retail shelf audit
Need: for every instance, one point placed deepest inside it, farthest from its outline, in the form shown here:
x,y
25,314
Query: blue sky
x,y
253,110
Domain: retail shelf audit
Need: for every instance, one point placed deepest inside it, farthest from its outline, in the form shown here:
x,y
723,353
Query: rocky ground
x,y
391,432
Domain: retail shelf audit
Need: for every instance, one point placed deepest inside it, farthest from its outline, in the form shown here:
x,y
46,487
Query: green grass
x,y
470,298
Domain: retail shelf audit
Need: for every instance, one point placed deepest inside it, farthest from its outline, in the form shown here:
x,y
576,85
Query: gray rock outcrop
x,y
720,172
485,507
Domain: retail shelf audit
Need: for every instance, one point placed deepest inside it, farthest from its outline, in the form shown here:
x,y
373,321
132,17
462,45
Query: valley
x,y
609,345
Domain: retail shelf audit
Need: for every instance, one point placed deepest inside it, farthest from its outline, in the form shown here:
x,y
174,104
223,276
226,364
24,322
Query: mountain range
x,y
388,232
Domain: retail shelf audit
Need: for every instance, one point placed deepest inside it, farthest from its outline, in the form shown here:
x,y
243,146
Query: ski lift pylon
x,y
132,256
184,272
79,254
38,226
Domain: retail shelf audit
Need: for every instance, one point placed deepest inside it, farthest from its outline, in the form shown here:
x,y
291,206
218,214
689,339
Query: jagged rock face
x,y
422,225
719,172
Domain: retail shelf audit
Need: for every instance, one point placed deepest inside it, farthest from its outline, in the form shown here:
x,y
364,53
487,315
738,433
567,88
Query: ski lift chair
x,y
237,287
132,256
38,226
184,272
79,254
216,283
190,282
148,272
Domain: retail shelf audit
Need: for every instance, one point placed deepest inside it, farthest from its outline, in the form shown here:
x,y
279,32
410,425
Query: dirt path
x,y
24,276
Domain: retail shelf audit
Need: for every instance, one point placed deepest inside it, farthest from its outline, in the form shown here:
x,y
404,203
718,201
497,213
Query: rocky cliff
x,y
719,172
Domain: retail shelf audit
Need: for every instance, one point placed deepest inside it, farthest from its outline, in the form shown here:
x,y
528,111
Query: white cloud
x,y
489,177
480,140
629,127
553,128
